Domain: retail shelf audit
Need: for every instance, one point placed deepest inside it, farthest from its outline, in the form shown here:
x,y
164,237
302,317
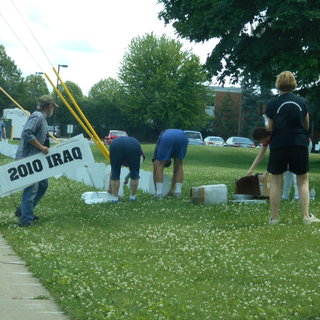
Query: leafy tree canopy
x,y
10,80
258,39
253,108
62,115
106,89
164,85
34,87
104,106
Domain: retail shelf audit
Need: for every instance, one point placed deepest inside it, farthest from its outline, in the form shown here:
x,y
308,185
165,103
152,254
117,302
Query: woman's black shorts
x,y
292,158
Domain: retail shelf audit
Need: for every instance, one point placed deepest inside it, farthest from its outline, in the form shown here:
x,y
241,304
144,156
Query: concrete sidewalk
x,y
21,295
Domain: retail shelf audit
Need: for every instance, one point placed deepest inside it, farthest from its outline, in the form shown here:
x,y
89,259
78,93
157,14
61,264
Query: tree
x,y
253,108
35,86
104,107
258,39
62,115
10,80
164,85
226,118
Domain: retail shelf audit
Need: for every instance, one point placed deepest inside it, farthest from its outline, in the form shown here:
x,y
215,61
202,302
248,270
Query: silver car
x,y
240,142
214,141
194,137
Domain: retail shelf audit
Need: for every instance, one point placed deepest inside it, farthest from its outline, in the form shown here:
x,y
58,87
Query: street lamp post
x,y
54,115
35,86
62,66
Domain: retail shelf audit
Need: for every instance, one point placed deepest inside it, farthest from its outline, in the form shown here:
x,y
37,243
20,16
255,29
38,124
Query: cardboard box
x,y
213,193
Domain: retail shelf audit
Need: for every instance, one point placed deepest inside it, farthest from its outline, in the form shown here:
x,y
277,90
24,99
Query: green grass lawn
x,y
170,259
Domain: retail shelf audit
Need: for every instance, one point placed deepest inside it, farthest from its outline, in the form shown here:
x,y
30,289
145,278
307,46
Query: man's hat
x,y
46,100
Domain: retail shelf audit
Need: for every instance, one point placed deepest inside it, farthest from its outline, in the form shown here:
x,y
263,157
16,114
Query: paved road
x,y
21,295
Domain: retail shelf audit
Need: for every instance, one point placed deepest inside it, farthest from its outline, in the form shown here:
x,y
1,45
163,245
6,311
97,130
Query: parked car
x,y
113,134
239,142
194,137
214,141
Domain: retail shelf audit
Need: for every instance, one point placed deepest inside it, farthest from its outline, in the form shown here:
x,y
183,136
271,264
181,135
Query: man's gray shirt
x,y
36,128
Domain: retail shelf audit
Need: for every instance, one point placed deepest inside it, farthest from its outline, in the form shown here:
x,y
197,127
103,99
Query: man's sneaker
x,y
311,219
18,213
24,224
273,221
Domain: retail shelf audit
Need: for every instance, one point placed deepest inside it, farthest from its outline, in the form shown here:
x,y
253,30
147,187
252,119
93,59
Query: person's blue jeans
x,y
30,197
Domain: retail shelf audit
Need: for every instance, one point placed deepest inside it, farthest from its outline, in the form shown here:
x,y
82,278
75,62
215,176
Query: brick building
x,y
220,93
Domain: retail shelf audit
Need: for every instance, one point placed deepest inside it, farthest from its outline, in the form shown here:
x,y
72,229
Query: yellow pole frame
x,y
100,145
103,149
27,113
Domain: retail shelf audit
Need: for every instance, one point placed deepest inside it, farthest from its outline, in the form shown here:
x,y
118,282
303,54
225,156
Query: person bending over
x,y
124,151
172,143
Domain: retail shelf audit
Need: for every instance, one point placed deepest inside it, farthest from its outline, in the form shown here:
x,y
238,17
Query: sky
x,y
90,37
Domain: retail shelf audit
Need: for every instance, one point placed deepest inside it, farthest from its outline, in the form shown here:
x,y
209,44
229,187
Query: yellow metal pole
x,y
82,114
26,112
15,102
68,106
103,151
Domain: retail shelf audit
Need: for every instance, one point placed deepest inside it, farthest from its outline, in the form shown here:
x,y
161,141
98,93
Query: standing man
x,y
125,151
34,139
172,143
289,124
2,130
